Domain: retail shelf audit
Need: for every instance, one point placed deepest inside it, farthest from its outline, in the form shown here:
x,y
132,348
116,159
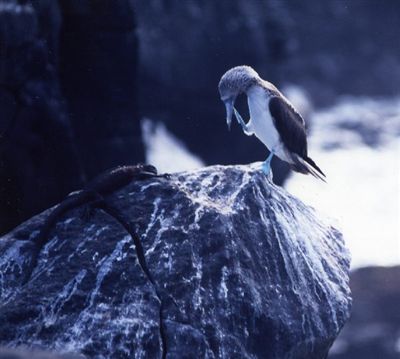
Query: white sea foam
x,y
165,151
363,189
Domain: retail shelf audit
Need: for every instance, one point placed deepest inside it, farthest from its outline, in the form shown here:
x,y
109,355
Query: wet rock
x,y
233,267
27,354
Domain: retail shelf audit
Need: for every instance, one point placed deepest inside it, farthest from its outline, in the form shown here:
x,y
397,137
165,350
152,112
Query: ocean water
x,y
357,143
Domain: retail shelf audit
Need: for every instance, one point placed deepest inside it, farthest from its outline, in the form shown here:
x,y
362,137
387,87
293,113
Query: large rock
x,y
28,354
229,266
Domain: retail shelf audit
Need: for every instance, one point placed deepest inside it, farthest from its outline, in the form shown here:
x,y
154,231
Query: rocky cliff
x,y
217,263
67,99
38,159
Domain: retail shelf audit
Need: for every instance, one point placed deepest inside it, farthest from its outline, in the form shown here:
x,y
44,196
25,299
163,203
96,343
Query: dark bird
x,y
273,119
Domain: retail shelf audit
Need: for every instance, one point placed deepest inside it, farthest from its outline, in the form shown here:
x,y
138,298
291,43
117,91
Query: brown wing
x,y
290,126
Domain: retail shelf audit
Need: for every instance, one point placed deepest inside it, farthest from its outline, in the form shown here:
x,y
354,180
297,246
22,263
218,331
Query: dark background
x,y
77,76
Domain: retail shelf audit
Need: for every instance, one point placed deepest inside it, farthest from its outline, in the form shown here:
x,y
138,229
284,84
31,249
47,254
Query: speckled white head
x,y
235,81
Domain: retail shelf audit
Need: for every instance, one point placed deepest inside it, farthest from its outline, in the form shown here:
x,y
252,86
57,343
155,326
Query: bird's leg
x,y
266,166
246,128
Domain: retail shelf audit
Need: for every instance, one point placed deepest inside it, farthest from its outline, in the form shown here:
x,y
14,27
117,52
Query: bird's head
x,y
235,81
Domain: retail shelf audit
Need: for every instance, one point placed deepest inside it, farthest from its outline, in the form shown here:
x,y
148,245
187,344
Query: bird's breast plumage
x,y
262,123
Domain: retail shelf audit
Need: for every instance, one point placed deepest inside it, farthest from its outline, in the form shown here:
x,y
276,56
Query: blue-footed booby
x,y
273,119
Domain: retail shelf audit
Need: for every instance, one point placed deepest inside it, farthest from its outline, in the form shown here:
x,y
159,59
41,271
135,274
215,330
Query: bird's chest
x,y
261,120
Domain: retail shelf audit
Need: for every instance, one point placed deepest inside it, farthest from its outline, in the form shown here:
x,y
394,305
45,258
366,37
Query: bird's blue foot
x,y
240,120
266,166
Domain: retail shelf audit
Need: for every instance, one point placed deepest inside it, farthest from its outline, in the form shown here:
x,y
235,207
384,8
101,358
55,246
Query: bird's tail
x,y
307,165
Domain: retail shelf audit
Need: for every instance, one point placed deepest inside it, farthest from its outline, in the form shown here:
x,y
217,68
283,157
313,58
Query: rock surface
x,y
28,354
234,267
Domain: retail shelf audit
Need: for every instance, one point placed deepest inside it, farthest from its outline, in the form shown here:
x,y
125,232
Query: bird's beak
x,y
229,112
